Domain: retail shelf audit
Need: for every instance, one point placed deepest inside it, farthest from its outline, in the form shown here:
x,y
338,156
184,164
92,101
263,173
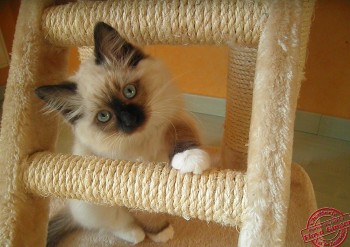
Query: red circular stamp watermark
x,y
326,227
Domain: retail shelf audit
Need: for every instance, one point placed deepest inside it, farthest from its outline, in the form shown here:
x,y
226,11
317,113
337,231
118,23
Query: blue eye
x,y
129,91
104,116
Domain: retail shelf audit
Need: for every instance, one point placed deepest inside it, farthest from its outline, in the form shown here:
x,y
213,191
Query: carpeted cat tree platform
x,y
268,202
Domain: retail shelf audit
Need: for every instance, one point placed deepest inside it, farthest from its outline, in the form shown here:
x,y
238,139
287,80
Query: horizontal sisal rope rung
x,y
158,22
213,196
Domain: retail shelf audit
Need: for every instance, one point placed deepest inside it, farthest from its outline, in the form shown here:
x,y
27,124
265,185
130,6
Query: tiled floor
x,y
327,162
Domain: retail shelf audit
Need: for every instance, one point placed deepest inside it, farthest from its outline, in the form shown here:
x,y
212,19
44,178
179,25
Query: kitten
x,y
122,104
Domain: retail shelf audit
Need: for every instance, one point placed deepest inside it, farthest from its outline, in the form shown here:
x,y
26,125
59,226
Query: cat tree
x,y
269,202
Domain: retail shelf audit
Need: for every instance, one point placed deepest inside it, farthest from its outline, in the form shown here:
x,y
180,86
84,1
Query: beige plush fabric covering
x,y
24,130
268,45
276,88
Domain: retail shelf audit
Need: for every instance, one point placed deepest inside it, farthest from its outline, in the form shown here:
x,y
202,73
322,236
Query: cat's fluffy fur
x,y
151,125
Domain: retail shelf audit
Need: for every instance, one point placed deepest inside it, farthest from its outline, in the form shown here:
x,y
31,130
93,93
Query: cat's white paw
x,y
134,235
193,160
138,235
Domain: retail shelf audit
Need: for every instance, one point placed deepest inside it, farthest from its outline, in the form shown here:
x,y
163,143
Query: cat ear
x,y
63,98
111,47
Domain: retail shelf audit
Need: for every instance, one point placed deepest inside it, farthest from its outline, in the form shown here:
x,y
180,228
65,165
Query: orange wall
x,y
8,16
197,69
203,69
327,86
326,90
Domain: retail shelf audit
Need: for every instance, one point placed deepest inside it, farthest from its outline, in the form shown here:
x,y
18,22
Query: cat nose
x,y
127,118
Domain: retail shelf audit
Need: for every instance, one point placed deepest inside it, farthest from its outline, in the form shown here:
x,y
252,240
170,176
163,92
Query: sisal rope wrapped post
x,y
241,73
85,52
217,196
24,129
142,22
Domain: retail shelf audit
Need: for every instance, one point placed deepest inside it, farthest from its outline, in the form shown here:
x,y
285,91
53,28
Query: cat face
x,y
120,93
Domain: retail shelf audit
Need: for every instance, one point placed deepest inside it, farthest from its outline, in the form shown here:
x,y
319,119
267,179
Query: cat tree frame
x,y
268,42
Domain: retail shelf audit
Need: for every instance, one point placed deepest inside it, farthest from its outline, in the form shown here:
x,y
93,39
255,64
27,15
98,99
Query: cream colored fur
x,y
116,220
163,99
164,106
165,102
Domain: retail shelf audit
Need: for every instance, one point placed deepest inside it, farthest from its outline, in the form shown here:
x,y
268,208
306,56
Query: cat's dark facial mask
x,y
121,105
126,109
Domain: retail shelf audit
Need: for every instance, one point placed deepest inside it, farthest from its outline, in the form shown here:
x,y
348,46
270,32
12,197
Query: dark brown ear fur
x,y
181,137
63,98
109,45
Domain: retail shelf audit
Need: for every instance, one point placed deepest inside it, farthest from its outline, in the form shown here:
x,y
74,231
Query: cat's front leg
x,y
117,220
126,227
186,154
